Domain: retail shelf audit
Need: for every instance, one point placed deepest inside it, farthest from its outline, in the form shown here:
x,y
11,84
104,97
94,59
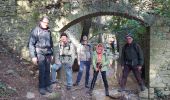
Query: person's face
x,y
111,40
99,49
44,23
129,40
64,39
85,42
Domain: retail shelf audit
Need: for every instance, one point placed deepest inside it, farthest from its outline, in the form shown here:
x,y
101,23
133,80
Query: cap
x,y
84,38
129,35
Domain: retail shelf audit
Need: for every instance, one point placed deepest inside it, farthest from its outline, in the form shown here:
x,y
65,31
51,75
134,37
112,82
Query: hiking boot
x,y
107,92
42,91
49,89
53,82
75,84
121,90
68,87
142,87
87,86
90,92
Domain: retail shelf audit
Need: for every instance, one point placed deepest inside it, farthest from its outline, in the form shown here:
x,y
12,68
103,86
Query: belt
x,y
43,47
66,55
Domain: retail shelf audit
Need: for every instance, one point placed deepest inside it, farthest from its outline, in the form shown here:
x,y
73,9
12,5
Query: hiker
x,y
41,51
131,59
84,60
100,64
64,57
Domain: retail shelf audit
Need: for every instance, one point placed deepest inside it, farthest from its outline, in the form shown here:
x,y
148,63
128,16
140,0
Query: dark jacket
x,y
40,38
132,55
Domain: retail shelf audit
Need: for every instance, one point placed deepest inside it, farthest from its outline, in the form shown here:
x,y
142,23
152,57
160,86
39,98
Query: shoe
x,y
68,88
42,91
121,90
53,82
142,87
90,92
49,89
107,92
87,86
75,84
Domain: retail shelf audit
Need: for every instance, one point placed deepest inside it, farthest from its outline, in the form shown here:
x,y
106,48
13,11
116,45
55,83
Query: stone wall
x,y
159,59
18,17
7,20
14,27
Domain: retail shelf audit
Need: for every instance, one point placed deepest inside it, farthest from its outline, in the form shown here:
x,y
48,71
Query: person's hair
x,y
44,17
100,45
63,34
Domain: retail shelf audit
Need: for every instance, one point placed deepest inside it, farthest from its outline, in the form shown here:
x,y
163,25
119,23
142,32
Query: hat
x,y
84,38
129,35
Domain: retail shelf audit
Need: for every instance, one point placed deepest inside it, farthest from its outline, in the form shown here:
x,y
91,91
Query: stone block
x,y
2,13
166,80
151,96
168,84
164,72
143,94
151,91
168,68
157,84
159,88
11,2
166,92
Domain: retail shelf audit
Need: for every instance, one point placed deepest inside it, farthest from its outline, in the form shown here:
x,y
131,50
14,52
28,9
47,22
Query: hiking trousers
x,y
136,72
83,64
44,70
103,73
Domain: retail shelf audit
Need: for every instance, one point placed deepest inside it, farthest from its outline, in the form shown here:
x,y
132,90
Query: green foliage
x,y
160,94
67,6
35,16
5,91
124,26
162,7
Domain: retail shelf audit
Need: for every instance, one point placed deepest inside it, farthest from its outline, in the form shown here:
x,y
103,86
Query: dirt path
x,y
19,81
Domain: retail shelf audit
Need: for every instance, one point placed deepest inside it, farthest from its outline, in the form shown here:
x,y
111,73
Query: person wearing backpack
x,y
84,60
100,64
64,57
41,50
131,60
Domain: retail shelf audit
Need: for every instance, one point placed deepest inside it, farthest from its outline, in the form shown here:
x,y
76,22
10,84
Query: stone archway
x,y
86,9
103,14
143,20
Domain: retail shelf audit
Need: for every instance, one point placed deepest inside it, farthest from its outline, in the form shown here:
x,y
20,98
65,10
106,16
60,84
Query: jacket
x,y
105,62
132,55
40,38
85,53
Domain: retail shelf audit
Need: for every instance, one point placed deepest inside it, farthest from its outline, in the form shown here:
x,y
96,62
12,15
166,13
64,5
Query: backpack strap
x,y
136,48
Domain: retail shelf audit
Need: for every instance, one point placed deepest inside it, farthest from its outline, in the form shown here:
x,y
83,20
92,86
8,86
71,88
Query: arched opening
x,y
102,14
144,39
